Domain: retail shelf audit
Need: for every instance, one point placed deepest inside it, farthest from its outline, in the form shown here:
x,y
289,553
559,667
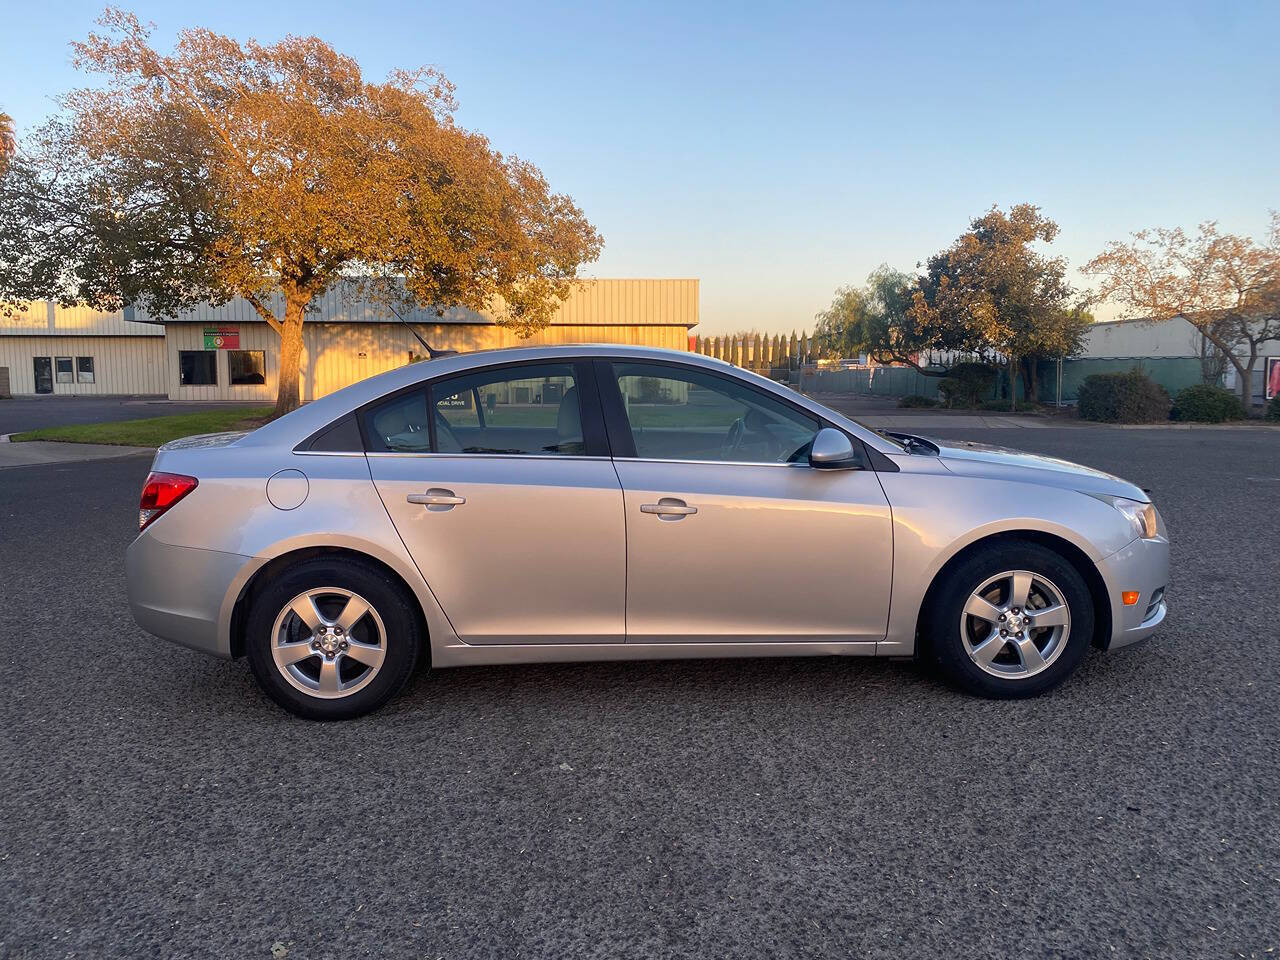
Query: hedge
x,y
1207,404
1130,397
967,384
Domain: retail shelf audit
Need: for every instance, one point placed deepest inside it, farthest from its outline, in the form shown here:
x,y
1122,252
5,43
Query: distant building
x,y
229,353
1171,339
1143,338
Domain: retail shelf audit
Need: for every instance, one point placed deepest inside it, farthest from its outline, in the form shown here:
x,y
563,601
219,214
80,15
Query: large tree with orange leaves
x,y
226,169
1225,285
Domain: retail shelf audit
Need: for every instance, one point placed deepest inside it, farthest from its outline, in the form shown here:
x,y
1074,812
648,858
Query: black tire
x,y
948,602
394,605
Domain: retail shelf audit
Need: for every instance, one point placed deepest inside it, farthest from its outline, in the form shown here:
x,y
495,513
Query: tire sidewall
x,y
948,645
387,598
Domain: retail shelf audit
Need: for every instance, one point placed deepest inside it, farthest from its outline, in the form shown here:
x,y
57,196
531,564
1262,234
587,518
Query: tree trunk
x,y
1014,371
1246,388
1033,379
290,355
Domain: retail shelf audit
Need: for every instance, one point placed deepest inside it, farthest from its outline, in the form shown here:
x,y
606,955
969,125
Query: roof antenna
x,y
432,352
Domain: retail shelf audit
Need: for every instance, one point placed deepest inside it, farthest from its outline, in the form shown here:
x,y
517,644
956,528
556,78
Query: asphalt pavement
x,y
154,804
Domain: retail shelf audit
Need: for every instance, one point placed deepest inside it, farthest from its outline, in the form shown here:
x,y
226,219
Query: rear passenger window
x,y
399,425
528,409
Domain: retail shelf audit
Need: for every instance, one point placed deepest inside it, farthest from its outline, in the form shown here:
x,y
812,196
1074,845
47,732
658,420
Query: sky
x,y
779,151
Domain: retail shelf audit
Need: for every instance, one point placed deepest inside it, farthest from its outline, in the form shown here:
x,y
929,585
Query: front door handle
x,y
668,508
437,498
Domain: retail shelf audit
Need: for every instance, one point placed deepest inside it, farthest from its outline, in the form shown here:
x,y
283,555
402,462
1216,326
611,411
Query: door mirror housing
x,y
833,450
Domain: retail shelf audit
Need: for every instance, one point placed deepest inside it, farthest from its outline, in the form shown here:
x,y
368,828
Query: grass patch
x,y
154,431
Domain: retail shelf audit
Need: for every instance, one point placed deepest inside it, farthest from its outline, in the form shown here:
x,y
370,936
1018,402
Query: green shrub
x,y
967,384
1130,397
1207,404
950,392
1273,408
915,400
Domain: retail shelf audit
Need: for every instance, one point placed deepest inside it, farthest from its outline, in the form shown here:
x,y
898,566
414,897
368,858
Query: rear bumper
x,y
184,594
1142,566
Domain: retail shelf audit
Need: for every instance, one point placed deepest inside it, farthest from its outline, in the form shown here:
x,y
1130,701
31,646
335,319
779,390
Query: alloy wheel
x,y
328,642
1015,625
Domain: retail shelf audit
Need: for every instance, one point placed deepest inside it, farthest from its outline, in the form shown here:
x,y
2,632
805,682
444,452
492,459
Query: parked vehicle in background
x,y
611,503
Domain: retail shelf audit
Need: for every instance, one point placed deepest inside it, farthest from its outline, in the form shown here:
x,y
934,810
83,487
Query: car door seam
x,y
409,553
626,552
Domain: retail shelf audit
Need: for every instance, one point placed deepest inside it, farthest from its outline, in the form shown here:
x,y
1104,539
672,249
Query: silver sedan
x,y
616,503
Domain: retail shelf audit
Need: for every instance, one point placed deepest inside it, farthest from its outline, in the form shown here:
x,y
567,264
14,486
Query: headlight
x,y
1143,516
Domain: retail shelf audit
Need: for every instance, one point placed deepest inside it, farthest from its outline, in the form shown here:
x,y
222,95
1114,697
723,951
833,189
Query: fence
x,y
1172,373
758,352
876,381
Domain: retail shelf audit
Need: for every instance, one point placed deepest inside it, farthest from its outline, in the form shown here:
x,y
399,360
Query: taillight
x,y
162,491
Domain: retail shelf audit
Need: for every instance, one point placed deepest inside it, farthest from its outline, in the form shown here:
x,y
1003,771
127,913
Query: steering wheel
x,y
732,441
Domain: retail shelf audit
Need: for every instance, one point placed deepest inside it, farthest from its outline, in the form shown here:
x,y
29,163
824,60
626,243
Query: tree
x,y
877,319
1059,336
225,169
1226,286
8,139
991,288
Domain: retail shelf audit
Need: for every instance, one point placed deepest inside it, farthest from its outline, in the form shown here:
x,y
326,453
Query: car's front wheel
x,y
332,639
1011,620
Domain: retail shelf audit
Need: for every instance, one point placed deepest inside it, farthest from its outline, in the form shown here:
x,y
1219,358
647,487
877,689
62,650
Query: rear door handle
x,y
436,497
668,508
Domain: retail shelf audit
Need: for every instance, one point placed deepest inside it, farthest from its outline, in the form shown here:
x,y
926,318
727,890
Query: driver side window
x,y
685,414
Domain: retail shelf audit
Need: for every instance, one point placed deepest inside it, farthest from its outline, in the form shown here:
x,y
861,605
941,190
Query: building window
x,y
247,367
198,368
62,370
84,369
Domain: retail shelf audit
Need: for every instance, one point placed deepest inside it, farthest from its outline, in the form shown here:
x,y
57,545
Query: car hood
x,y
981,460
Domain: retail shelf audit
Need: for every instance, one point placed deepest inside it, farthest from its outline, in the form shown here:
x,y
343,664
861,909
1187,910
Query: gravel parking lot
x,y
155,805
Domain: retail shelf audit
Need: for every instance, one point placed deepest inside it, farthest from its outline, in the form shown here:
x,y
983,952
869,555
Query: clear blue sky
x,y
778,151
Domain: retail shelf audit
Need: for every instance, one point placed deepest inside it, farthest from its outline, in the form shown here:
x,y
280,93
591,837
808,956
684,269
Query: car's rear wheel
x,y
1013,619
332,639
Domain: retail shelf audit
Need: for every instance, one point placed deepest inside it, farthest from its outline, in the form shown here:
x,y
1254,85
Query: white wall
x,y
43,318
122,365
1131,338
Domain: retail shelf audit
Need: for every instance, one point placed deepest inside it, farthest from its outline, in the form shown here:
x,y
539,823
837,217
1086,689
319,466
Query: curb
x,y
4,437
1174,425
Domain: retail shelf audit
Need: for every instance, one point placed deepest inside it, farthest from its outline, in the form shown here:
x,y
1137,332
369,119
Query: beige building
x,y
229,353
1142,338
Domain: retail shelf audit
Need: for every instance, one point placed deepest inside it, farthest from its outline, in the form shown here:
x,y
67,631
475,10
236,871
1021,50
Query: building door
x,y
44,374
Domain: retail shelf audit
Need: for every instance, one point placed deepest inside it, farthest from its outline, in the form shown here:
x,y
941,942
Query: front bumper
x,y
185,594
1142,566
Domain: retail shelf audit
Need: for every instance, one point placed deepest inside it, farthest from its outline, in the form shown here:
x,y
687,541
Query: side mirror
x,y
833,450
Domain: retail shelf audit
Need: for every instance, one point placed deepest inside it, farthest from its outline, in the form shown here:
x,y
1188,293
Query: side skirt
x,y
465,655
